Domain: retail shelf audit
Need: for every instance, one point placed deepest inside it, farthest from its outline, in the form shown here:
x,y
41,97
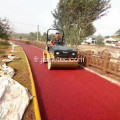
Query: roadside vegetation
x,y
5,29
32,36
5,32
3,46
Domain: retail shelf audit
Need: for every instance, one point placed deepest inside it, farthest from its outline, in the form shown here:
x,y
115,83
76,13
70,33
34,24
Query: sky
x,y
110,23
25,15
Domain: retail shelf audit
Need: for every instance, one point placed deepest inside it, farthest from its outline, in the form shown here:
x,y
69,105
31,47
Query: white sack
x,y
14,98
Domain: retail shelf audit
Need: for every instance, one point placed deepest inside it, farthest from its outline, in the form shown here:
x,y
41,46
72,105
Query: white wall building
x,y
110,42
90,41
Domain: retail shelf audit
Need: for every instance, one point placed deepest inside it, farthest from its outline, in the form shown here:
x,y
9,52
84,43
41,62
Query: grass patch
x,y
3,46
2,52
23,77
4,43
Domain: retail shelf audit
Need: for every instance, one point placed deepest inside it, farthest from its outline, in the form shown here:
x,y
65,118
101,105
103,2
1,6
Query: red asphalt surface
x,y
72,94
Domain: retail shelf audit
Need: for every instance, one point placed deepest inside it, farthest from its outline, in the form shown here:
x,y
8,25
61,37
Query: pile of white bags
x,y
14,98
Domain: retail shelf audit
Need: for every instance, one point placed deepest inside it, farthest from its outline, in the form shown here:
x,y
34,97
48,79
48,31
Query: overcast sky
x,y
25,15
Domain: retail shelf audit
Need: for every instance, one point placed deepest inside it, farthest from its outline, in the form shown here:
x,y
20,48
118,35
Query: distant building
x,y
110,42
90,41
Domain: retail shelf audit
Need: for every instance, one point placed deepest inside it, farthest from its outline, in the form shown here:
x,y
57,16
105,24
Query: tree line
x,y
29,36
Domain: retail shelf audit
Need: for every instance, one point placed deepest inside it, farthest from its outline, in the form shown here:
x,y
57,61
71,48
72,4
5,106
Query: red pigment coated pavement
x,y
73,94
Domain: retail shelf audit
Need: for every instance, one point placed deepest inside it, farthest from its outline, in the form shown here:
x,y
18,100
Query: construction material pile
x,y
14,98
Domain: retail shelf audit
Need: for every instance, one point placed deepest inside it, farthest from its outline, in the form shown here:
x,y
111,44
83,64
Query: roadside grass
x,y
3,46
2,52
4,43
23,77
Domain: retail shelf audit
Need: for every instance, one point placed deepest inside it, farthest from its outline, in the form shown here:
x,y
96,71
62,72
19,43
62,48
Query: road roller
x,y
58,55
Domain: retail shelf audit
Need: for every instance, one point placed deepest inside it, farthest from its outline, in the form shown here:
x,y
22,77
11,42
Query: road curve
x,y
72,94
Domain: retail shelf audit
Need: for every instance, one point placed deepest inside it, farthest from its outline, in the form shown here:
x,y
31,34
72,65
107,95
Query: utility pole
x,y
37,32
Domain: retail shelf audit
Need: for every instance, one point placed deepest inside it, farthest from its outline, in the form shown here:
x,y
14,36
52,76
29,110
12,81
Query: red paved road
x,y
73,94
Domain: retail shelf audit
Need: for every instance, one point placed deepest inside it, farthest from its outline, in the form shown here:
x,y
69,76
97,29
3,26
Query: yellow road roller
x,y
58,55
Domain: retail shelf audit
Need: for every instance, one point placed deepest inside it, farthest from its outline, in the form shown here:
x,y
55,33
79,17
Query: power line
x,y
24,23
29,24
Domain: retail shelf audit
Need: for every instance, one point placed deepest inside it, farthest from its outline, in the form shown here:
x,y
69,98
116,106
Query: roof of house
x,y
111,39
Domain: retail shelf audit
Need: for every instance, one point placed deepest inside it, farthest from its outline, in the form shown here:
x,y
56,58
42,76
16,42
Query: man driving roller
x,y
57,38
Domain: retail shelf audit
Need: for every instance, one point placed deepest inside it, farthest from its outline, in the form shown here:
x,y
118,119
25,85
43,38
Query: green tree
x,y
76,17
20,37
44,36
5,30
32,36
100,40
118,32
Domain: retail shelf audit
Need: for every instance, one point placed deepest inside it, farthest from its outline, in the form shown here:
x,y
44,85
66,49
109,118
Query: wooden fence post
x,y
106,60
88,58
